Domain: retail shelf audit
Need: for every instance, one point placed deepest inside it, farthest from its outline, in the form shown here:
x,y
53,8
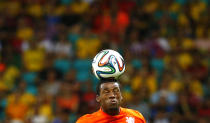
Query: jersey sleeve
x,y
140,116
83,119
137,114
79,121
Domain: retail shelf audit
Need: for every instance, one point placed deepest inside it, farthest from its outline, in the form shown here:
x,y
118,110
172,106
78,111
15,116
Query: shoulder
x,y
88,118
134,113
84,118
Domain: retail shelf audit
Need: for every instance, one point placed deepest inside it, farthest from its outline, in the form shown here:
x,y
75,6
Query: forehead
x,y
109,85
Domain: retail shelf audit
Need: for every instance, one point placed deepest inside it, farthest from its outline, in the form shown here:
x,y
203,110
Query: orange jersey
x,y
125,116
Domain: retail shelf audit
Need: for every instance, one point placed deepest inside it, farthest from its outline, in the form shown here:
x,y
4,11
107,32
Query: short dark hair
x,y
102,81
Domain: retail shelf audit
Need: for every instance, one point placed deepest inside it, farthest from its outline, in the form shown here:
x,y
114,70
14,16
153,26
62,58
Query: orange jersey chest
x,y
125,116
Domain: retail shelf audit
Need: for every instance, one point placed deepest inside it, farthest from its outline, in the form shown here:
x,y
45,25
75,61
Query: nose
x,y
112,95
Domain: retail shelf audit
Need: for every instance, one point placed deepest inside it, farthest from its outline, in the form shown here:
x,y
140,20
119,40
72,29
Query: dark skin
x,y
110,98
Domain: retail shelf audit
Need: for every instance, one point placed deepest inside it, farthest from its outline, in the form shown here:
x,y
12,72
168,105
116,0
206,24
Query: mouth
x,y
113,101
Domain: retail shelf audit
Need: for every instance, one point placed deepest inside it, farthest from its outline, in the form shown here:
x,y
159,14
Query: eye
x,y
116,90
106,91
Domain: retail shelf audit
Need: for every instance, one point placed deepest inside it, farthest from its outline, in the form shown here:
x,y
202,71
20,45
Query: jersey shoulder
x,y
134,113
88,118
84,118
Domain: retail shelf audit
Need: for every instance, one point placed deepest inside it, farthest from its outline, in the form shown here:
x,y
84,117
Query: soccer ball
x,y
108,64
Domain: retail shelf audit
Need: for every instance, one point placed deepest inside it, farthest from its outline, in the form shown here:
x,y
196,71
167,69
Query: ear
x,y
121,98
98,98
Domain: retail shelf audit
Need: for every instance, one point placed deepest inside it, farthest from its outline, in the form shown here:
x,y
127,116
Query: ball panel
x,y
104,60
120,64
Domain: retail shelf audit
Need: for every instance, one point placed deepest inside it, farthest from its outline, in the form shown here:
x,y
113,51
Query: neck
x,y
112,111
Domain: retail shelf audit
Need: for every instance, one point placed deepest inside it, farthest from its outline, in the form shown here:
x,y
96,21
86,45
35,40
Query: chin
x,y
114,106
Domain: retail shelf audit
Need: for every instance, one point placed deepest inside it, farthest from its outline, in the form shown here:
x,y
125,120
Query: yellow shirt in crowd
x,y
34,59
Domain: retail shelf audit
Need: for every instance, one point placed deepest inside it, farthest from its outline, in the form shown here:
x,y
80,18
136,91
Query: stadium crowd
x,y
47,47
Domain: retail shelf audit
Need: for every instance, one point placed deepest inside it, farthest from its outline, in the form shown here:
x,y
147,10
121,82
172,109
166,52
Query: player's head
x,y
109,94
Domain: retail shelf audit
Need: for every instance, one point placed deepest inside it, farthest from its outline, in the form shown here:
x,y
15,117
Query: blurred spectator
x,y
17,110
164,93
62,117
33,58
67,98
24,31
87,45
37,117
45,43
52,85
79,7
89,97
204,110
63,48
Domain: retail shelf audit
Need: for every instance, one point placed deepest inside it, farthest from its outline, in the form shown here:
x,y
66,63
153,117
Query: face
x,y
110,96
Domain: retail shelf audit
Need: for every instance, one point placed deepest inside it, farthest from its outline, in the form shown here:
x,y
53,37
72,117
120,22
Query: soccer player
x,y
109,96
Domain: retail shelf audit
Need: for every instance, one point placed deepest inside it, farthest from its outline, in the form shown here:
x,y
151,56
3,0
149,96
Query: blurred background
x,y
47,46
